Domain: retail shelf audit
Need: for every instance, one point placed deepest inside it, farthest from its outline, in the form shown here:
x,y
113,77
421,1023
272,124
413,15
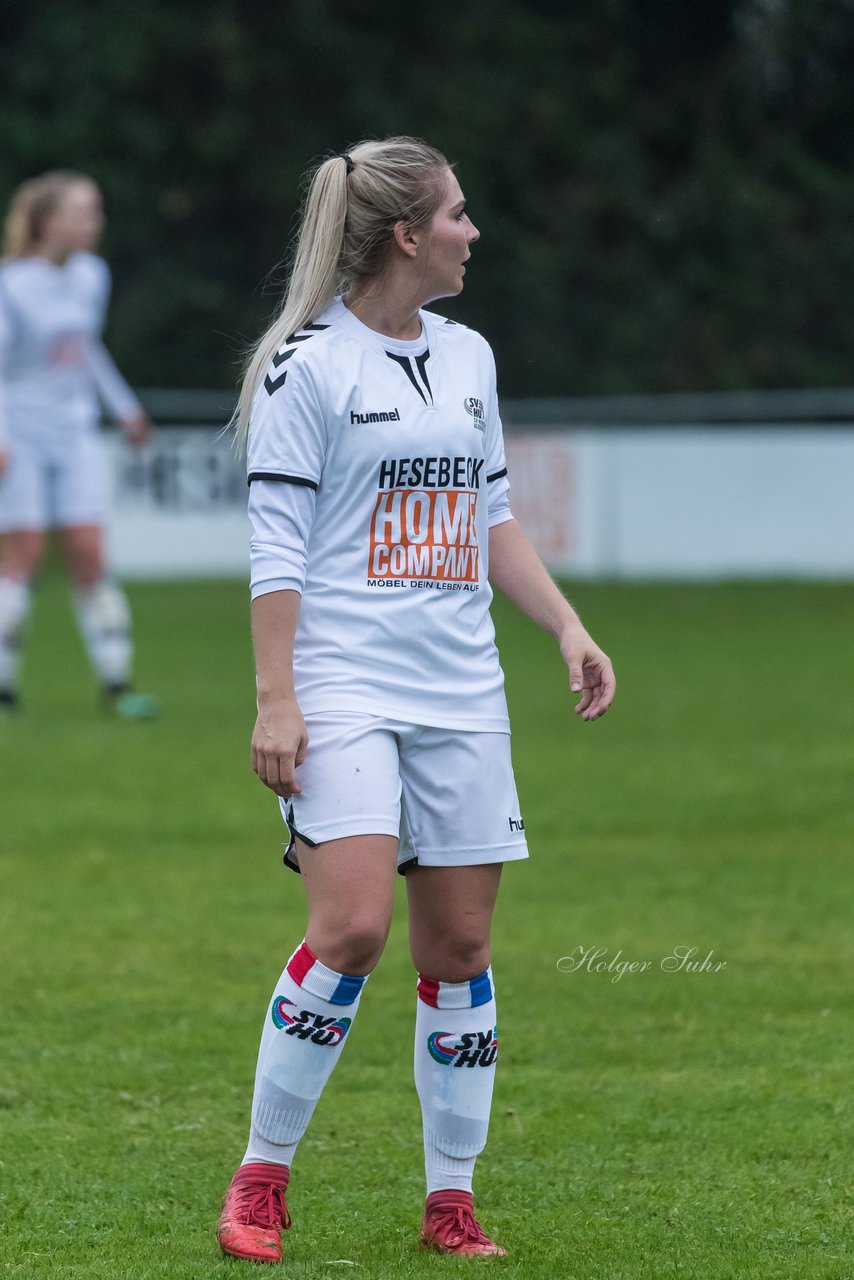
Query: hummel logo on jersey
x,y
475,408
362,419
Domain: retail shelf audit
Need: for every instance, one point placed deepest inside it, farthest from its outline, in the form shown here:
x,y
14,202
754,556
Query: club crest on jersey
x,y
306,1025
470,1049
475,408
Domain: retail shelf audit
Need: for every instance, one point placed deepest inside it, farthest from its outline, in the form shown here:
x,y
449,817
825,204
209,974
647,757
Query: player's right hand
x,y
137,429
279,743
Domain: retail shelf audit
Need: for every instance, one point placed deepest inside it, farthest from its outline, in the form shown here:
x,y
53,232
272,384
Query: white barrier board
x,y
680,502
179,507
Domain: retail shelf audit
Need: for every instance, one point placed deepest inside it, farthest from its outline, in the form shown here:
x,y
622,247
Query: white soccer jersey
x,y
53,366
376,469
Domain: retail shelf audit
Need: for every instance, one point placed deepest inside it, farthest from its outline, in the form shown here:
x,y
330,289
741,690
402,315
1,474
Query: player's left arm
x,y
516,568
113,391
6,336
115,394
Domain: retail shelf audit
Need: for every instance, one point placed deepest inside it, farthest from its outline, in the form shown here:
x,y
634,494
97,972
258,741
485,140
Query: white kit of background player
x,y
55,374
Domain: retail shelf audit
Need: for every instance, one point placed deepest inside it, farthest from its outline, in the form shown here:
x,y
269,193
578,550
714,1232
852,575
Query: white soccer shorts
x,y
54,481
447,794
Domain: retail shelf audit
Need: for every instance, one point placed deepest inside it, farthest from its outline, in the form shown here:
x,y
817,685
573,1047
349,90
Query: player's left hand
x,y
590,673
137,430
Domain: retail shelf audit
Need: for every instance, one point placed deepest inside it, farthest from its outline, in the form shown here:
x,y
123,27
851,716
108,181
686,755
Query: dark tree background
x,y
665,189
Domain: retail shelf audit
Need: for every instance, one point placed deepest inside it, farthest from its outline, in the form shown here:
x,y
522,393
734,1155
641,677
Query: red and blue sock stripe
x,y
457,995
314,977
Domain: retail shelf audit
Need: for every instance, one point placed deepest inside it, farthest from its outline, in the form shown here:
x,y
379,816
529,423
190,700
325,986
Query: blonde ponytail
x,y
313,278
353,204
31,204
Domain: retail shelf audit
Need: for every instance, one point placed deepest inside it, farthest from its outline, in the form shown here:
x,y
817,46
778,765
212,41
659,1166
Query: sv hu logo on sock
x,y
471,1049
306,1025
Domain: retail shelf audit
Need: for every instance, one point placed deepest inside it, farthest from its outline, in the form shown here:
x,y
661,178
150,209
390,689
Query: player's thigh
x,y
81,482
459,797
345,824
462,814
349,780
349,885
450,919
21,553
25,506
83,550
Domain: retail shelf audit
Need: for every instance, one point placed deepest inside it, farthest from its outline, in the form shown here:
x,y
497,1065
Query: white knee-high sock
x,y
456,1047
14,608
307,1023
103,616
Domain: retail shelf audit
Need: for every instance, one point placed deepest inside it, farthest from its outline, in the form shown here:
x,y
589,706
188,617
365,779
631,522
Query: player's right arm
x,y
279,740
286,450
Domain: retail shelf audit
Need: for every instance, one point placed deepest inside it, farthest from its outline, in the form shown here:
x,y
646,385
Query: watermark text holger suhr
x,y
679,960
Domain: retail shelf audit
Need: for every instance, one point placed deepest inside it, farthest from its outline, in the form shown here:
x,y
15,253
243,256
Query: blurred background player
x,y
380,510
54,371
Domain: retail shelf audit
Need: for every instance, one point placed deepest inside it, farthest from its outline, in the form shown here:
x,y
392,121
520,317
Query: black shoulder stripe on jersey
x,y
496,475
305,333
273,384
278,475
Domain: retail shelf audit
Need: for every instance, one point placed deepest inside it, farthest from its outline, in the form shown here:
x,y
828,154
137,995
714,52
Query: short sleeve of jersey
x,y
498,485
281,516
287,429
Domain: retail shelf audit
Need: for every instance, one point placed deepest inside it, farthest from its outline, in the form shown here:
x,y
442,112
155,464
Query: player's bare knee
x,y
352,947
85,568
456,960
86,578
23,553
84,556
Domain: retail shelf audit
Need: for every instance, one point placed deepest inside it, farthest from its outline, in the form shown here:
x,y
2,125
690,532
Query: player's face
x,y
449,236
77,224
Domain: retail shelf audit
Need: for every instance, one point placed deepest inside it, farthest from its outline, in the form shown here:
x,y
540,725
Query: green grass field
x,y
664,1124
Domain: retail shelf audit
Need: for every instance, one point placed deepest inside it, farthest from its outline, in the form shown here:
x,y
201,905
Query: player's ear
x,y
407,238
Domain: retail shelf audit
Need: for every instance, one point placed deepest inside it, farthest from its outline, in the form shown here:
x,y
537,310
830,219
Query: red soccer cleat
x,y
450,1226
254,1213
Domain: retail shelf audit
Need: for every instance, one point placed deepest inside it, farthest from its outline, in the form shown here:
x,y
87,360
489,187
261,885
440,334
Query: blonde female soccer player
x,y
380,505
54,370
